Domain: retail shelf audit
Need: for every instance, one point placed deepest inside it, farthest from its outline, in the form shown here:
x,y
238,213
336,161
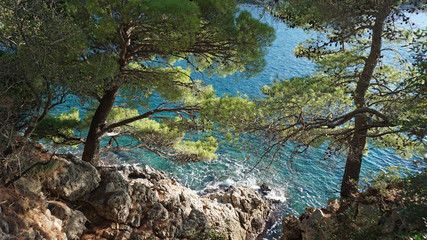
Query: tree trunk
x,y
99,120
350,181
96,130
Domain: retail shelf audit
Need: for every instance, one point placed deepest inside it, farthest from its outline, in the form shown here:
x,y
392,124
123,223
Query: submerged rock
x,y
264,189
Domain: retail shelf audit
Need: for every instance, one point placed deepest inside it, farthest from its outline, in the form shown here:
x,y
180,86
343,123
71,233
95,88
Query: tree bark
x,y
97,126
350,181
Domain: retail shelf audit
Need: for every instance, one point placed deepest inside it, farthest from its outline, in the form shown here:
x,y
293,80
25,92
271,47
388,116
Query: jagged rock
x,y
27,234
146,172
249,211
310,226
264,189
4,226
112,198
110,235
73,179
168,210
333,205
38,236
73,221
158,213
291,228
48,223
30,184
137,201
129,203
328,223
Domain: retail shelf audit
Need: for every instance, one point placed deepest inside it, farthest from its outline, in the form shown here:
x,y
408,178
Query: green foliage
x,y
204,149
147,129
290,104
39,54
355,97
137,50
58,129
212,233
172,29
166,137
417,87
223,111
146,49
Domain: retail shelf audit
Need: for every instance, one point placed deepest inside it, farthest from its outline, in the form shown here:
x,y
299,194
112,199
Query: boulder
x,y
4,226
264,189
141,201
111,199
174,211
44,221
291,228
243,208
73,180
314,223
73,221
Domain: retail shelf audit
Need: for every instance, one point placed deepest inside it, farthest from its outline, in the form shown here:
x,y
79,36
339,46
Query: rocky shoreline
x,y
67,198
71,199
389,209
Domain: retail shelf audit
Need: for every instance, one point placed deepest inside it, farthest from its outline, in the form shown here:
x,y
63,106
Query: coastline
x,y
73,200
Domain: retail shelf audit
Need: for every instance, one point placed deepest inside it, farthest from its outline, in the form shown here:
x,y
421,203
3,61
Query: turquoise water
x,y
308,181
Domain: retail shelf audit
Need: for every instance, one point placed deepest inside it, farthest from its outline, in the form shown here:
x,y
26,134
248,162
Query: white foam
x,y
277,194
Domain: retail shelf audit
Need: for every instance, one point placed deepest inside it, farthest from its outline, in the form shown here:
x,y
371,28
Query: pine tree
x,y
144,58
355,98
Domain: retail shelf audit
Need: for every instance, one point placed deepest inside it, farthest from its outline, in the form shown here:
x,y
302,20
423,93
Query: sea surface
x,y
309,180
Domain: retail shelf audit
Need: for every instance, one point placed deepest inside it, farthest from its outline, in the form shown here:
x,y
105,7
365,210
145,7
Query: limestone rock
x,y
133,201
45,221
73,221
4,226
73,179
145,172
112,198
173,211
317,223
333,205
291,228
249,211
310,226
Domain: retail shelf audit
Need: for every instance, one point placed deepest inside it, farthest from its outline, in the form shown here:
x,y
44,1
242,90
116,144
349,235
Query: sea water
x,y
309,180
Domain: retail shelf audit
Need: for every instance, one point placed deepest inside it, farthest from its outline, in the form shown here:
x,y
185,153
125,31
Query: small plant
x,y
419,236
213,233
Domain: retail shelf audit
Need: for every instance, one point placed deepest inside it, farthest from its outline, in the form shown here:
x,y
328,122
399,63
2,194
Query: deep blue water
x,y
309,181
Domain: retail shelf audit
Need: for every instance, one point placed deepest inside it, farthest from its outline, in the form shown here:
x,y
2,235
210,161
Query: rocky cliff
x,y
74,200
